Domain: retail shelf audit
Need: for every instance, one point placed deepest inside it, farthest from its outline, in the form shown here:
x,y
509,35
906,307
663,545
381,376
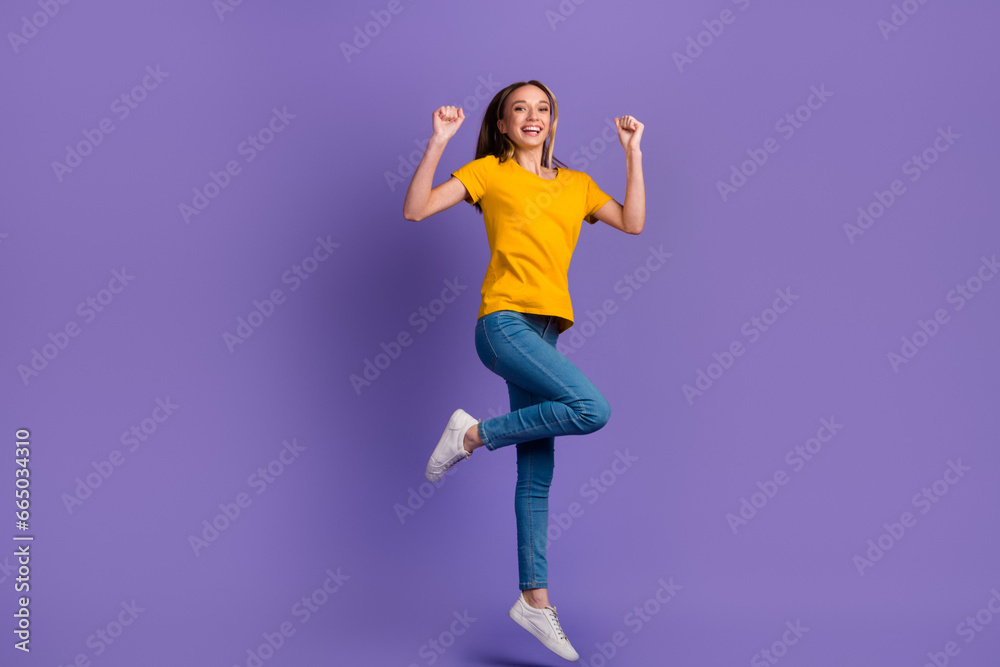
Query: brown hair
x,y
492,142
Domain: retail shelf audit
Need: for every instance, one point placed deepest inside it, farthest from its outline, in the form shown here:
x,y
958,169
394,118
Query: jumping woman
x,y
533,215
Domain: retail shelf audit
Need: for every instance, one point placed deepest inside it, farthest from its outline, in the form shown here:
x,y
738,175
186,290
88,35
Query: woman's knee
x,y
595,411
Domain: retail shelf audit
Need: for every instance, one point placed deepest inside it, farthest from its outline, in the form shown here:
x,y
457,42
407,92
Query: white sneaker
x,y
450,448
544,624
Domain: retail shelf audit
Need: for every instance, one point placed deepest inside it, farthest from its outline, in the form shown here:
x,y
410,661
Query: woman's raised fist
x,y
447,120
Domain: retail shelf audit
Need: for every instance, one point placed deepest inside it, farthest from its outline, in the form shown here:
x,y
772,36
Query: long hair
x,y
492,142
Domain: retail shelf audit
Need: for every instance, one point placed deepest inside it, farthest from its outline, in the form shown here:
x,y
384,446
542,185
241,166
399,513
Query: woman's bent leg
x,y
521,348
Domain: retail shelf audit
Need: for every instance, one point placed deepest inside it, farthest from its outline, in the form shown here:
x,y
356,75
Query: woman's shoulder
x,y
575,174
485,161
480,166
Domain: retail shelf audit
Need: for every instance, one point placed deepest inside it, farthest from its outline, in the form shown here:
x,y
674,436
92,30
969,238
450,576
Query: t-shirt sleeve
x,y
474,176
596,198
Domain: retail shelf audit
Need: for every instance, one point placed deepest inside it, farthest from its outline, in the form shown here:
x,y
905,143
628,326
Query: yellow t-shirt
x,y
532,225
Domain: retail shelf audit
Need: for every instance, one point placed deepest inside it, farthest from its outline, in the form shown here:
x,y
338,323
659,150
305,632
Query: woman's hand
x,y
629,132
446,121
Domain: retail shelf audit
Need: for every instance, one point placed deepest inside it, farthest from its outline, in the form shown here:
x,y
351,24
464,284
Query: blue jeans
x,y
549,396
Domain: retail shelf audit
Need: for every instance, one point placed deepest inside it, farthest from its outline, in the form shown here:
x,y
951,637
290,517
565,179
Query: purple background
x,y
334,172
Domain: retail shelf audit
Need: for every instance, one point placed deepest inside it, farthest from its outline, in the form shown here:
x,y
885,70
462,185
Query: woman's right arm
x,y
421,200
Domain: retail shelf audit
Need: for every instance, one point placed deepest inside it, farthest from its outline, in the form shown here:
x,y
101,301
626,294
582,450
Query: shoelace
x,y
554,619
455,459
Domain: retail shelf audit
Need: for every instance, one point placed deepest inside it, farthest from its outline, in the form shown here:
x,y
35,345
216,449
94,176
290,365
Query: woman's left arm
x,y
631,217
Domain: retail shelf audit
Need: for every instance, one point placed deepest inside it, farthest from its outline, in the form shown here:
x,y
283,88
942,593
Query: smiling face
x,y
526,117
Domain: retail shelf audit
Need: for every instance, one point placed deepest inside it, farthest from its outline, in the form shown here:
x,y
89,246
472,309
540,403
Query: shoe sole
x,y
515,615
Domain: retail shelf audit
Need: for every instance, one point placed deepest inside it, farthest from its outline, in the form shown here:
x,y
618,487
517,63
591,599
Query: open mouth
x,y
531,130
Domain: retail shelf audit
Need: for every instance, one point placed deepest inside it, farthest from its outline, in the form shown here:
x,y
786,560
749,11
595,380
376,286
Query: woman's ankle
x,y
473,441
536,597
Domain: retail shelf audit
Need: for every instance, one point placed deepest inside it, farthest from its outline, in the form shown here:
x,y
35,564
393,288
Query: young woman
x,y
533,215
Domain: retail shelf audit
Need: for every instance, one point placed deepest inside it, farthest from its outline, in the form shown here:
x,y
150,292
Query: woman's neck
x,y
531,161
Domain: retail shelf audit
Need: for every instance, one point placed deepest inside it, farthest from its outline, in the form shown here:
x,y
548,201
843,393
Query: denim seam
x,y
526,430
531,541
487,442
486,336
